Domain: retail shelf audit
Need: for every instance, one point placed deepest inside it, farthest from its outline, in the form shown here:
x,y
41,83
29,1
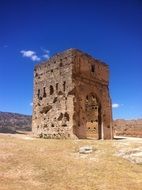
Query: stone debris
x,y
85,149
134,155
129,148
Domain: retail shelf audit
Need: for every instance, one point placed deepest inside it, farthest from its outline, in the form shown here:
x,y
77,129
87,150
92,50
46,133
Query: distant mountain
x,y
128,127
10,122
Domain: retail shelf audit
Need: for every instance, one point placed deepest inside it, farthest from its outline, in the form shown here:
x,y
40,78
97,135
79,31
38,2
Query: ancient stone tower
x,y
71,97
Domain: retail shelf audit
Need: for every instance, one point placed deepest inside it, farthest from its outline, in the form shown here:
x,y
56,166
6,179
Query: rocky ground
x,y
129,148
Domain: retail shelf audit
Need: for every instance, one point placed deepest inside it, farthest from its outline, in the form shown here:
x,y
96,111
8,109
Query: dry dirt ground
x,y
27,163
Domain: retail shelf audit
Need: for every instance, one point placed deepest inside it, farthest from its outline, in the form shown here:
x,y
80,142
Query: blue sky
x,y
32,30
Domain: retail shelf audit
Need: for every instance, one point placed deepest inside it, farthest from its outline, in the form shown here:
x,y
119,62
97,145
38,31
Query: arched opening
x,y
93,117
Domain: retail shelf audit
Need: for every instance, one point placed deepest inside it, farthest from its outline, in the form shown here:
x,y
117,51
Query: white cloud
x,y
30,54
35,58
46,53
27,53
31,104
115,105
46,56
33,55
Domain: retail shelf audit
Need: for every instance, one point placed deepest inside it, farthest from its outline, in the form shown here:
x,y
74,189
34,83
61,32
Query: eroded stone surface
x,y
71,97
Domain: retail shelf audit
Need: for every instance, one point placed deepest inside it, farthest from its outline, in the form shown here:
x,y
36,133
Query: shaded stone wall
x,y
91,78
61,87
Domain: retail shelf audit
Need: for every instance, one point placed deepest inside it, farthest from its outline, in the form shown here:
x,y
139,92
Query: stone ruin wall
x,y
61,86
53,105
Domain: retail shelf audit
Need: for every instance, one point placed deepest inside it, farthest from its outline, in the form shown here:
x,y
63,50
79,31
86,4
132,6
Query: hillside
x,y
10,122
128,127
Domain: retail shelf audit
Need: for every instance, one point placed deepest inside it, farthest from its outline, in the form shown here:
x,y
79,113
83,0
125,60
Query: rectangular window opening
x,y
64,85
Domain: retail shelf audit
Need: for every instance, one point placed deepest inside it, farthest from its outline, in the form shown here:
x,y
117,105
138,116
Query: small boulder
x,y
86,149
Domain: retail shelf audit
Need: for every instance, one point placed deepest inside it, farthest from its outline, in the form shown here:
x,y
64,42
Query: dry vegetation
x,y
29,164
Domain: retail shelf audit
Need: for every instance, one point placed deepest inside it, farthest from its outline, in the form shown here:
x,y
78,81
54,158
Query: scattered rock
x,y
134,155
85,149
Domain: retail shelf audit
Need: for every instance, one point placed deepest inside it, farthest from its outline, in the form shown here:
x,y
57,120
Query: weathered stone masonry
x,y
71,97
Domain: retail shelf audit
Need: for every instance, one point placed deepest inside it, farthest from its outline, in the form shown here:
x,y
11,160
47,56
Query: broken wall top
x,y
75,57
67,54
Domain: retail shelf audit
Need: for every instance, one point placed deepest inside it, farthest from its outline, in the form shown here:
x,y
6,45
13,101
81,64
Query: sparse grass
x,y
56,164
